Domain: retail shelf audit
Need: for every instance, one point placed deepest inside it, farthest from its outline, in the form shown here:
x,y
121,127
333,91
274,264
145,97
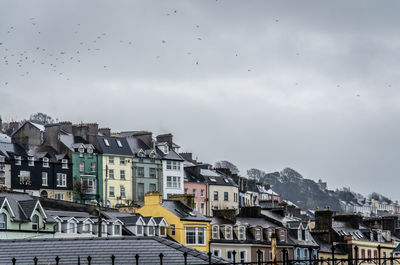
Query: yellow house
x,y
186,226
116,171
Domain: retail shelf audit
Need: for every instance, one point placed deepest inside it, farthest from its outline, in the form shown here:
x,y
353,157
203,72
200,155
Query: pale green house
x,y
21,216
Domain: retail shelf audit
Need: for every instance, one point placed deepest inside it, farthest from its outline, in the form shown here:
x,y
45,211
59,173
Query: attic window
x,y
2,159
228,232
45,162
90,150
226,181
106,142
119,143
213,179
258,234
241,233
81,149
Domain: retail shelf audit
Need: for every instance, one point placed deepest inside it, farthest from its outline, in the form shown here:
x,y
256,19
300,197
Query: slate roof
x,y
183,211
129,220
343,229
37,126
9,150
214,178
172,155
293,239
114,149
5,138
136,144
100,249
22,205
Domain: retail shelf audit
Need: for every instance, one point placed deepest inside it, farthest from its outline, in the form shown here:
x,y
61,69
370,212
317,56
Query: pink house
x,y
199,190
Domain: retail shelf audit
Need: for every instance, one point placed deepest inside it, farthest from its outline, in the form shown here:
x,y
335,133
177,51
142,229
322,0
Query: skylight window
x,y
106,142
119,143
213,179
226,181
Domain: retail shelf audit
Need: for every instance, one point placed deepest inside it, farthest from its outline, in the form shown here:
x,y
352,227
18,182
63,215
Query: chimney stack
x,y
165,138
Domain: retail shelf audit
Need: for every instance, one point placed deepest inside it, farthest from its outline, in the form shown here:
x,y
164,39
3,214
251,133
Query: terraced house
x,y
147,164
23,217
117,163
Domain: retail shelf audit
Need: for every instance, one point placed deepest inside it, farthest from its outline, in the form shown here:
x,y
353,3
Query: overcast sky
x,y
311,85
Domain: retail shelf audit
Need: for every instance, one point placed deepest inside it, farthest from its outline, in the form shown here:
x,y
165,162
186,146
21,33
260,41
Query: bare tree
x,y
41,118
81,189
25,182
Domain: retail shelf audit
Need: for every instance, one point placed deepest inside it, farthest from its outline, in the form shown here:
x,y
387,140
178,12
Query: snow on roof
x,y
209,173
39,126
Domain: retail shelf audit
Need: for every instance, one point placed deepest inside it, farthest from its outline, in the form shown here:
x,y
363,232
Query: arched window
x,y
35,222
3,221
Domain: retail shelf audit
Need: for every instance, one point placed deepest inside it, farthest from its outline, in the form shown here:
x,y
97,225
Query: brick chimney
x,y
250,211
146,137
105,131
353,220
323,219
165,138
228,214
187,199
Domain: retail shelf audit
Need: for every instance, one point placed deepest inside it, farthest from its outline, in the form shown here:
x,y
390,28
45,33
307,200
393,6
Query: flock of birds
x,y
27,60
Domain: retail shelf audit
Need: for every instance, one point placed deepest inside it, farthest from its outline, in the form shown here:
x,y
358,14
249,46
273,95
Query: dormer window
x,y
90,150
215,230
150,230
104,229
64,163
228,232
269,234
31,161
119,143
282,236
2,159
299,234
258,234
18,160
45,162
87,228
35,223
3,221
141,153
241,233
117,230
152,154
81,150
307,235
139,230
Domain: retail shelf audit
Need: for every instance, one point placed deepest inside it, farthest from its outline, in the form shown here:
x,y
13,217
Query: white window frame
x,y
89,231
59,195
31,161
120,230
196,230
45,176
64,163
245,256
120,174
202,208
111,160
106,142
119,143
169,165
62,182
113,191
122,160
229,251
82,166
282,235
122,191
242,232
215,232
258,234
45,161
228,235
111,174
18,160
202,193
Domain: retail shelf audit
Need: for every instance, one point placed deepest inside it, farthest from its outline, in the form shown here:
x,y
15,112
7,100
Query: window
x,y
306,256
89,183
72,228
195,235
194,192
215,231
152,187
119,143
169,164
215,195
140,172
151,230
241,233
64,163
122,191
229,255
2,159
362,253
299,234
282,234
186,191
176,165
269,234
235,197
35,222
82,166
111,173
225,196
122,160
93,167
61,180
117,230
217,252
90,150
122,174
162,230
298,253
106,142
228,232
44,179
369,255
307,235
59,196
152,172
111,160
243,256
17,160
195,206
3,221
172,230
112,194
86,228
258,234
24,177
202,193
45,162
140,191
173,182
202,208
31,161
81,150
104,229
139,230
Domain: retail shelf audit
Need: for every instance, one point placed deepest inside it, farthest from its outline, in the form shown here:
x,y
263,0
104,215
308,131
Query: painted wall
x,y
198,199
172,172
221,203
117,182
145,181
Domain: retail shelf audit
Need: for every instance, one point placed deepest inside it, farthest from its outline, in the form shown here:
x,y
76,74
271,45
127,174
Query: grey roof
x,y
22,205
210,177
100,249
172,155
344,229
254,222
292,238
183,211
136,144
37,126
70,214
5,138
114,149
129,220
9,149
158,219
